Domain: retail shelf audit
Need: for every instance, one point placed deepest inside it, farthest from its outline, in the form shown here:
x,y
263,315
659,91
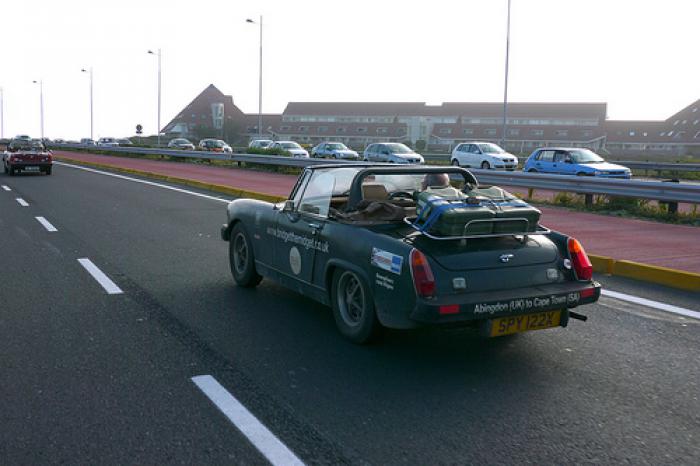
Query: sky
x,y
641,57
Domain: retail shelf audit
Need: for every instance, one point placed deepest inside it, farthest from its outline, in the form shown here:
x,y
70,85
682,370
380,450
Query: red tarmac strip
x,y
673,246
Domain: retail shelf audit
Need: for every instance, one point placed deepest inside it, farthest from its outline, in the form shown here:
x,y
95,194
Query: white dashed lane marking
x,y
22,202
46,224
260,436
109,286
6,188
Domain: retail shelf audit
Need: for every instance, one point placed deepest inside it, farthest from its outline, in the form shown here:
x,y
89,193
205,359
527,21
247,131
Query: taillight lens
x,y
579,258
423,278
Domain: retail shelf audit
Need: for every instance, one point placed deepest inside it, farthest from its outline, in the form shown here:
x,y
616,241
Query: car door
x,y
459,154
563,162
299,229
472,156
545,161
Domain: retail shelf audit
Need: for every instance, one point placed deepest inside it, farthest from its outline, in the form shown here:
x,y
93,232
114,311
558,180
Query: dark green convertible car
x,y
400,247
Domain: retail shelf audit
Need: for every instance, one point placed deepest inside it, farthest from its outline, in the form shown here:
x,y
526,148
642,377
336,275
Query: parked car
x,y
59,141
87,142
24,155
215,145
260,143
180,143
125,142
23,137
107,142
392,275
335,150
290,147
391,152
484,155
573,161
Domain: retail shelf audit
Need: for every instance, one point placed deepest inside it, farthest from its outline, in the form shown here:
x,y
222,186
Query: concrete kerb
x,y
645,272
607,265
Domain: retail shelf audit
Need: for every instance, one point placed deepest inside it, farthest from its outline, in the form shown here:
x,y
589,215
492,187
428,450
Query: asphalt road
x,y
89,377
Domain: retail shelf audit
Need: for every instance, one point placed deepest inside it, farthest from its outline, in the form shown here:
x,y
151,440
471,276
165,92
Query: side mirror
x,y
288,206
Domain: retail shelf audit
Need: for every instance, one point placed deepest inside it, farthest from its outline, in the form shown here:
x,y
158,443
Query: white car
x,y
290,147
484,155
260,144
108,142
334,150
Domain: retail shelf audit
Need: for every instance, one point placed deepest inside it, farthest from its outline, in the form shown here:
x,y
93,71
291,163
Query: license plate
x,y
30,169
524,323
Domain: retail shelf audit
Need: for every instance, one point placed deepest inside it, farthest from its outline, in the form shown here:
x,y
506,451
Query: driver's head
x,y
435,180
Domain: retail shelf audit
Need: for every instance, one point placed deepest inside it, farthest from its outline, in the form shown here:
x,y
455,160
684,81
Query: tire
x,y
485,165
581,174
455,162
353,308
48,170
12,171
532,170
241,258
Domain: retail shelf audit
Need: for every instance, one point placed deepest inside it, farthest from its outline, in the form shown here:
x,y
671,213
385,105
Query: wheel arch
x,y
334,264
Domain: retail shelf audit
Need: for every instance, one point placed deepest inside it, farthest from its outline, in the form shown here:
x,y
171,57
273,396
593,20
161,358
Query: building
x,y
441,127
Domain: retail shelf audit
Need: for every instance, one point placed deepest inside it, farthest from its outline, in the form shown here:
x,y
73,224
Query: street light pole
x,y
158,54
41,104
505,92
260,23
92,121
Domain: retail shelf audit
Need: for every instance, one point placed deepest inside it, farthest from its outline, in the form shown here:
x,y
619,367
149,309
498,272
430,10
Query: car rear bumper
x,y
492,304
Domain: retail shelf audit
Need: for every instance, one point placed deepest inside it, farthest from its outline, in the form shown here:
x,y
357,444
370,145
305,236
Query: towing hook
x,y
576,315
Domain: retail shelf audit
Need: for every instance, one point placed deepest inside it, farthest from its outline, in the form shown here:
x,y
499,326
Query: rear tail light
x,y
423,278
581,262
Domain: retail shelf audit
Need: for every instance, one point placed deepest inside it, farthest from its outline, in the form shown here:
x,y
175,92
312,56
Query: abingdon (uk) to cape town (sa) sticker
x,y
387,261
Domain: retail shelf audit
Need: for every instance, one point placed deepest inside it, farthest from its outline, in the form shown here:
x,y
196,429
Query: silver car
x,y
391,152
335,150
181,143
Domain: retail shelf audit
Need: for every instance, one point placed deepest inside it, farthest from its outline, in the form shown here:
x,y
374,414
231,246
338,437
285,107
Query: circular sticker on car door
x,y
295,260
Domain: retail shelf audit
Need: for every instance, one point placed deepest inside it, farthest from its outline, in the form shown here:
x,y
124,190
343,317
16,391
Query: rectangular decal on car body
x,y
527,304
386,260
383,281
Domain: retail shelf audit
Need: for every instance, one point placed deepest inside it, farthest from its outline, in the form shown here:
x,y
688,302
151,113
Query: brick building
x,y
529,125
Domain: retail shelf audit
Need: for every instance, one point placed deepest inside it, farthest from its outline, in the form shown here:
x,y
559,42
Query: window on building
x,y
695,109
445,130
467,131
696,122
400,130
561,132
697,135
663,133
684,122
513,132
303,129
587,133
362,129
340,129
632,133
322,129
676,122
645,134
490,132
285,128
537,132
670,133
382,130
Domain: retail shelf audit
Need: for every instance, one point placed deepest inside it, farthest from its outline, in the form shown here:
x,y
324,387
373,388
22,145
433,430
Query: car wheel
x,y
485,165
48,170
581,174
353,307
532,170
12,171
241,258
455,162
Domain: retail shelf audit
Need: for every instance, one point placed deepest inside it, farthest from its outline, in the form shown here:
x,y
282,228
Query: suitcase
x,y
506,206
454,216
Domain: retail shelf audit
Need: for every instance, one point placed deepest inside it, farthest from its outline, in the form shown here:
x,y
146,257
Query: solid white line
x,y
22,202
653,304
46,224
109,286
150,183
6,188
265,441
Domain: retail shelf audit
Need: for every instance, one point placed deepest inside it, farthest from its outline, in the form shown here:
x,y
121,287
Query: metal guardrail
x,y
654,190
659,166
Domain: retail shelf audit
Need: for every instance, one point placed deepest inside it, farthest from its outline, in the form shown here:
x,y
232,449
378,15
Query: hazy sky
x,y
642,57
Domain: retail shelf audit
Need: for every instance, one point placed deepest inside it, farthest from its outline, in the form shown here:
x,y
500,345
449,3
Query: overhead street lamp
x,y
159,57
505,92
260,23
41,104
92,121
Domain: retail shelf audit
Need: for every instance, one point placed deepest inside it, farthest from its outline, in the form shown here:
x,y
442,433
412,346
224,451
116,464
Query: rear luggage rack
x,y
541,230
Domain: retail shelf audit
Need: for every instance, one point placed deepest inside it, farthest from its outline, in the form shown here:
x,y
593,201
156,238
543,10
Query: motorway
x,y
98,368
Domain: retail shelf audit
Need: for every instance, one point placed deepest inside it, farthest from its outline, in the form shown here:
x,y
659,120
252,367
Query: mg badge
x,y
505,257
